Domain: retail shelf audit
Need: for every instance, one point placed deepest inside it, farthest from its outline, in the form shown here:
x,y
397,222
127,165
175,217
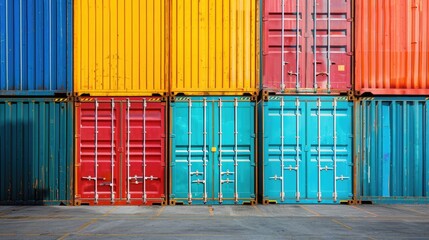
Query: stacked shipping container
x,y
306,138
392,58
120,59
36,134
214,81
295,145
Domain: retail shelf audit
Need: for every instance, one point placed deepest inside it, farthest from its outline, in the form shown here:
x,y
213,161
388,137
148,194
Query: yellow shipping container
x,y
214,47
119,47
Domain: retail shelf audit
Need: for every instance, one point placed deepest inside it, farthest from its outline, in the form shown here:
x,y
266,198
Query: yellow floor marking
x,y
342,224
310,211
87,224
258,210
150,234
373,214
158,213
410,209
211,211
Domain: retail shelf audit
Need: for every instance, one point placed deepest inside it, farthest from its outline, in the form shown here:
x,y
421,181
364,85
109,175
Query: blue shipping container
x,y
305,149
36,47
212,150
36,151
392,149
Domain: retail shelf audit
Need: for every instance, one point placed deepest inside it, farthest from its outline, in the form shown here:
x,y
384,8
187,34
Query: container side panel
x,y
35,47
388,172
391,47
36,173
213,47
119,48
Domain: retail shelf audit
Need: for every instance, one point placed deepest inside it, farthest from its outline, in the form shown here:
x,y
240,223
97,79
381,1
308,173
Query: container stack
x,y
305,118
120,89
392,90
214,83
214,102
36,114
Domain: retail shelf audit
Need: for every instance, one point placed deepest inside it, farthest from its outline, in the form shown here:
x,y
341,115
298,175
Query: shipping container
x,y
36,151
212,144
120,151
36,47
214,47
303,53
392,149
305,149
120,47
392,47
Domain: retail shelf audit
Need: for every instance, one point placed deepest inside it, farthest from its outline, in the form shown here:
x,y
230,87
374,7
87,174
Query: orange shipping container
x,y
392,47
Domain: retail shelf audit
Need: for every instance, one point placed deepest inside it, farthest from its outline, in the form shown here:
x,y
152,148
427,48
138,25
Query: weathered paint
x,y
305,149
36,47
392,47
120,151
212,150
36,151
214,47
330,70
392,149
120,47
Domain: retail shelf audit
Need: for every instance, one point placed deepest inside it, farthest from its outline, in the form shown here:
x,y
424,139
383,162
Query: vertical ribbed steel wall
x,y
36,151
392,149
214,47
36,47
120,47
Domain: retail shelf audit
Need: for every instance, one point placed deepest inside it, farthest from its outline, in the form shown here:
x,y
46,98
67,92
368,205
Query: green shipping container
x,y
36,151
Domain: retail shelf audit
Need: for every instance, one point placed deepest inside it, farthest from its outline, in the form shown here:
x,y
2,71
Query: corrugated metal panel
x,y
392,47
36,151
119,47
35,47
306,149
212,150
326,70
120,151
214,47
392,150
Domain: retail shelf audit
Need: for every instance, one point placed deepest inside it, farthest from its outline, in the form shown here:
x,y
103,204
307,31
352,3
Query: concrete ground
x,y
216,222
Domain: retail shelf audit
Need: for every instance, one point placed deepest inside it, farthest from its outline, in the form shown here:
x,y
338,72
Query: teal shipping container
x,y
305,149
36,151
212,150
392,149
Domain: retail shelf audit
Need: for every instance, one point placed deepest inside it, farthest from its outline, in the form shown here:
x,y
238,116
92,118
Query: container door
x,y
191,161
98,158
328,146
308,156
144,159
281,36
329,48
285,143
234,166
120,152
213,151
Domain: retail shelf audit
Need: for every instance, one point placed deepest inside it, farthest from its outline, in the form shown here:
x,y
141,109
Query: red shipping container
x,y
329,70
392,47
120,151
